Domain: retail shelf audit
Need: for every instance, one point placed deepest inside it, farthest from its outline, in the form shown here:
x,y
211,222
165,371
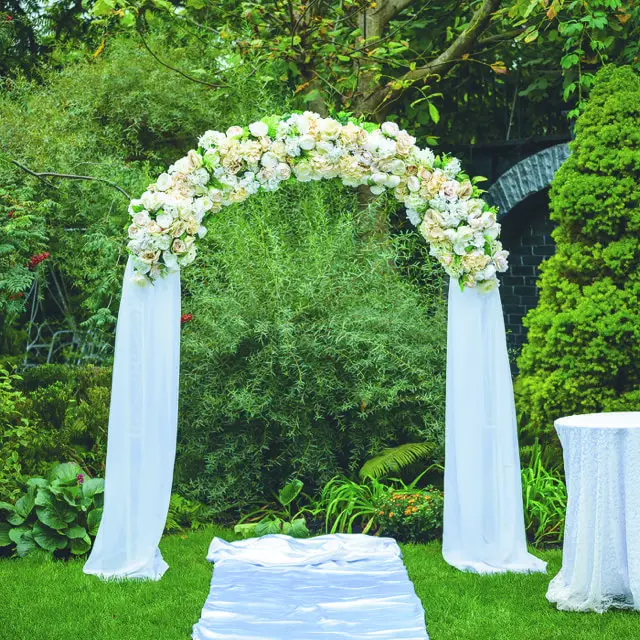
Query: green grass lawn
x,y
46,600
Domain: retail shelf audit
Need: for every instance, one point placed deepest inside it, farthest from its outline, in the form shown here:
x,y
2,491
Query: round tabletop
x,y
612,420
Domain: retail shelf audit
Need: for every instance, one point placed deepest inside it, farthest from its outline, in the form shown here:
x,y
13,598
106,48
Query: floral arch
x,y
227,168
483,515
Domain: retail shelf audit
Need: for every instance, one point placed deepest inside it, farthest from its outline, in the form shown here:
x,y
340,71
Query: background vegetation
x,y
317,337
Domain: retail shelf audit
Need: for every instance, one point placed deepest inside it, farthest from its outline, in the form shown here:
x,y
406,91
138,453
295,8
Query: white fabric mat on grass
x,y
335,587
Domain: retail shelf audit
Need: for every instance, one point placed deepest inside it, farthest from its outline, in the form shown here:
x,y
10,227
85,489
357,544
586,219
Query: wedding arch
x,y
483,517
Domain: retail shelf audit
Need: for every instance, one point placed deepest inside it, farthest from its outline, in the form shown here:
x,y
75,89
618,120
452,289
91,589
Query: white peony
x,y
413,184
163,182
306,142
269,160
390,129
258,129
235,132
164,220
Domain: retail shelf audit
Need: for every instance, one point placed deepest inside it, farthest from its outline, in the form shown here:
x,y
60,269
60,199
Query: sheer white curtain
x,y
142,431
483,514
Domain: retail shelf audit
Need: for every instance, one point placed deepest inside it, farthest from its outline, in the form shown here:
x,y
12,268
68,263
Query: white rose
x,y
500,260
390,129
150,200
141,219
485,286
379,178
283,171
163,182
269,160
307,142
164,220
398,167
330,127
303,171
392,181
235,132
413,184
258,129
170,260
178,246
377,189
140,280
133,231
202,231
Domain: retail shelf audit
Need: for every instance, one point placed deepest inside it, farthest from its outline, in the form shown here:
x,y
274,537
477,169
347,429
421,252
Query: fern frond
x,y
396,458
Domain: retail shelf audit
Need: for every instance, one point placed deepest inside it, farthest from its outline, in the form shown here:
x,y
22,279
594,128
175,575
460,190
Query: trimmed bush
x,y
583,348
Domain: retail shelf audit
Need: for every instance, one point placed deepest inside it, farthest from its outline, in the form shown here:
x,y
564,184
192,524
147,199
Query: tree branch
x,y
179,71
43,175
462,45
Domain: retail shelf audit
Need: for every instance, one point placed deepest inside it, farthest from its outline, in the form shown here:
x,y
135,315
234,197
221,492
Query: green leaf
x,y
246,530
37,482
75,531
5,506
56,517
93,521
396,458
15,519
268,527
297,528
80,546
290,492
434,113
5,540
92,486
66,473
17,532
24,505
26,544
47,538
44,498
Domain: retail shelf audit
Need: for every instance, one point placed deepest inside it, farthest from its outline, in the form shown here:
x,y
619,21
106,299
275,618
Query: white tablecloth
x,y
601,557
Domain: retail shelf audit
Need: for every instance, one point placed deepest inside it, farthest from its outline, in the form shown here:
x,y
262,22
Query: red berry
x,y
10,214
9,18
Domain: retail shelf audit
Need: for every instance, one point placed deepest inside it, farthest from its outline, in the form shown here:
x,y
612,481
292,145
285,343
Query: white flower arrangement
x,y
440,199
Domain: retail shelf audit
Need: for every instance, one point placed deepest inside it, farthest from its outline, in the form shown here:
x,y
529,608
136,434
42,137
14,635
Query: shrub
x,y
583,347
411,515
59,514
308,351
52,413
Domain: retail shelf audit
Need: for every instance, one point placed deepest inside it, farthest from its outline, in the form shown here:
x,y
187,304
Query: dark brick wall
x,y
526,234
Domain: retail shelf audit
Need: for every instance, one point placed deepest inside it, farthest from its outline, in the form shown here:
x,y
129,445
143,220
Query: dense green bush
x,y
583,348
308,351
50,414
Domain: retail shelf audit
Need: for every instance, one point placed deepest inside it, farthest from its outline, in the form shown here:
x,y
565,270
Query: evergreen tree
x,y
583,349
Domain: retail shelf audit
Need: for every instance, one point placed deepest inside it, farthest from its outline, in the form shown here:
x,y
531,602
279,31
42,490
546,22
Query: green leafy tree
x,y
583,349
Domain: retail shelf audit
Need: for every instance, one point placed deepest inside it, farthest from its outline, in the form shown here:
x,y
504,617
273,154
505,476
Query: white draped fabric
x,y
344,587
601,554
483,514
483,520
142,431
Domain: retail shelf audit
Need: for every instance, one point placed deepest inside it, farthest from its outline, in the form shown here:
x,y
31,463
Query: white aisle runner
x,y
335,587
